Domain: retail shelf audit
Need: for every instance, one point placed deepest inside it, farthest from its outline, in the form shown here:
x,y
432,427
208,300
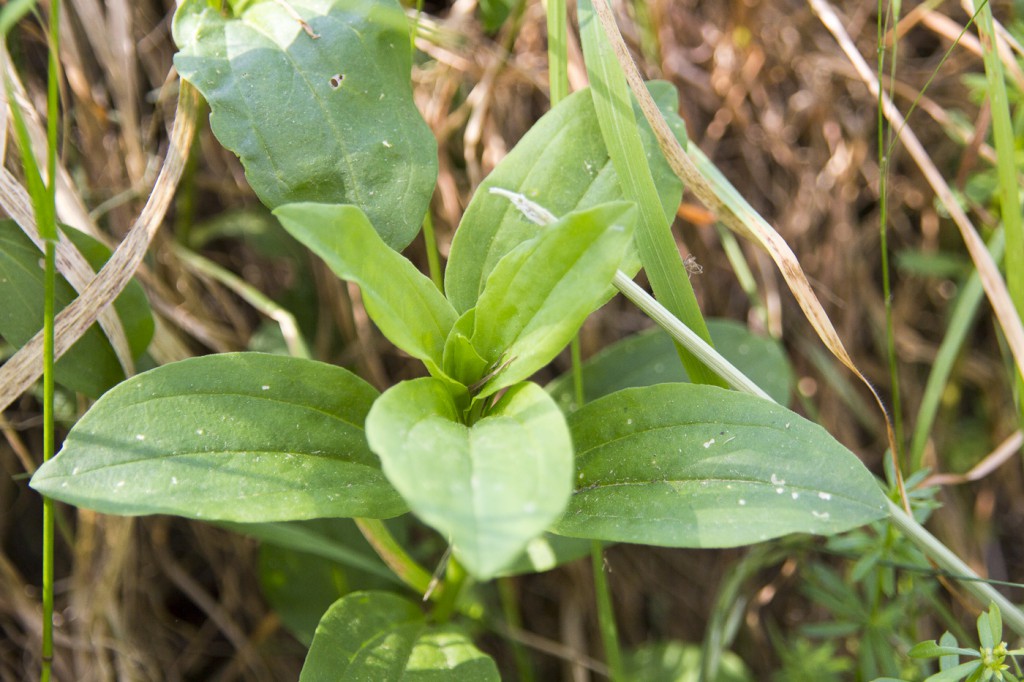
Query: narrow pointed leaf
x,y
234,437
402,301
489,488
90,366
563,165
539,295
685,465
327,117
370,636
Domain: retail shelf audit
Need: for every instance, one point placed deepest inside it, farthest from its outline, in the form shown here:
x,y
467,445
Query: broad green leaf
x,y
561,164
650,357
372,636
404,303
326,119
488,488
90,366
234,437
539,295
684,465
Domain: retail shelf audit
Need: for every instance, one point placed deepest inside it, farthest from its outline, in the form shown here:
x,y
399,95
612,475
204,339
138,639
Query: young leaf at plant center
x,y
403,302
540,293
90,366
489,488
234,437
562,164
684,465
326,117
649,357
379,636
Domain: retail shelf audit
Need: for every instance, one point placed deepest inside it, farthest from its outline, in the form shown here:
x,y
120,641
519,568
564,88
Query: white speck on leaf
x,y
777,481
825,496
386,144
709,443
743,502
139,436
264,387
820,515
629,422
780,490
795,495
120,484
174,480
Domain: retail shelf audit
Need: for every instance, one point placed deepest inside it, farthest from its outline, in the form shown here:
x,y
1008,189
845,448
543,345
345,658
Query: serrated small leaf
x,y
562,164
685,465
326,117
235,437
488,488
371,636
403,302
539,295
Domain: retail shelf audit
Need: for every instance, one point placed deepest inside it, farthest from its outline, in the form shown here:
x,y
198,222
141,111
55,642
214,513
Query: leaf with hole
x,y
684,465
234,437
489,488
325,115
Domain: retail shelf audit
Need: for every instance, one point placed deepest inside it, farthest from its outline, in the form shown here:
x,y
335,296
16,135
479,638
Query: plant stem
x,y
394,555
606,614
951,563
686,337
433,257
510,609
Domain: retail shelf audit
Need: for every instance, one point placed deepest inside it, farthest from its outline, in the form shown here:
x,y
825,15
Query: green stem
x,y
455,579
48,451
606,614
951,563
510,609
49,231
394,555
558,60
433,257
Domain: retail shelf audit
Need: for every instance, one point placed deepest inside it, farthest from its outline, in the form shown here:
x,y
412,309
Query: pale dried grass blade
x,y
70,263
992,461
704,180
988,271
18,373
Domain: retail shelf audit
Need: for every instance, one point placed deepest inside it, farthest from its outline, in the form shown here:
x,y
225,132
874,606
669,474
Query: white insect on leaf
x,y
532,211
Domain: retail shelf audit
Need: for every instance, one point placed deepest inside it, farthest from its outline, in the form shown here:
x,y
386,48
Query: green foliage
x,y
90,366
727,469
989,657
324,118
379,636
235,437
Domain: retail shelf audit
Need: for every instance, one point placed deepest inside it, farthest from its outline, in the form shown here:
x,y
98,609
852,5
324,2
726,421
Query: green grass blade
x,y
658,251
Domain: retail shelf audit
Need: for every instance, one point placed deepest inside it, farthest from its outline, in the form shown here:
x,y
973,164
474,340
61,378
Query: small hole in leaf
x,y
336,80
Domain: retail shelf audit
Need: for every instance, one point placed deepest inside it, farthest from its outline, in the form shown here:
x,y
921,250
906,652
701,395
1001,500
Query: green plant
x,y
315,101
